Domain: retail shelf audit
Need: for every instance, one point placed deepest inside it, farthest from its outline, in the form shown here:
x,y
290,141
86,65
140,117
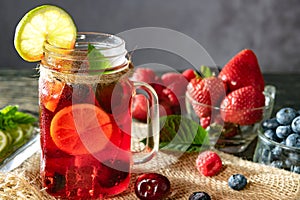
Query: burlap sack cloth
x,y
264,182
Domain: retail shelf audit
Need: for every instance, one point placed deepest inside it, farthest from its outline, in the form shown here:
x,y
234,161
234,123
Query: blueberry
x,y
199,196
265,156
286,115
271,135
283,131
296,125
276,152
295,169
294,157
287,164
293,140
237,181
277,164
270,123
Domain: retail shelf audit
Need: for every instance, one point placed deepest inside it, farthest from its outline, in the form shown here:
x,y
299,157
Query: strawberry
x,y
205,122
189,74
209,163
242,70
230,130
206,92
243,106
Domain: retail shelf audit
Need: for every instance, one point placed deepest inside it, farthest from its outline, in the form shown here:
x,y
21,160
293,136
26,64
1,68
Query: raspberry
x,y
208,163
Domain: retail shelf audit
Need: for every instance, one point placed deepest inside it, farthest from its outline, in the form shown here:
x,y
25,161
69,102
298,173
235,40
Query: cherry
x,y
152,186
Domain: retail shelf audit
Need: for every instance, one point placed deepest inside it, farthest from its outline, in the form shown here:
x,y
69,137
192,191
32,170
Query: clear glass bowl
x,y
275,154
230,137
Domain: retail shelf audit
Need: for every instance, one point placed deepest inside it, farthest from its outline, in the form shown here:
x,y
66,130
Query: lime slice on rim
x,y
44,23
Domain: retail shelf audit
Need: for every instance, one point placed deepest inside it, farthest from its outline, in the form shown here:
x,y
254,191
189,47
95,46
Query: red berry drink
x,y
85,123
85,105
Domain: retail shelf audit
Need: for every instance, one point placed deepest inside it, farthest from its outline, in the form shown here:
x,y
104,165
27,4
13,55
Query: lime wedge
x,y
3,142
44,23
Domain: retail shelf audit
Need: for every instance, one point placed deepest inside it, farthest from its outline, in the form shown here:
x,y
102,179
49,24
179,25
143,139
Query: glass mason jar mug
x,y
85,118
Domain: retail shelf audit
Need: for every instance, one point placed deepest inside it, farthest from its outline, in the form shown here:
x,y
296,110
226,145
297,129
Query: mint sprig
x,y
97,61
10,118
182,134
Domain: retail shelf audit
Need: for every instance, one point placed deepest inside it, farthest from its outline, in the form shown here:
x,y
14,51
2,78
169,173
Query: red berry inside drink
x,y
85,135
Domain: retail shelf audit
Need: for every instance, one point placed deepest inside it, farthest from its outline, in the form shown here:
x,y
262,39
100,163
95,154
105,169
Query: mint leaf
x,y
10,118
182,134
23,118
97,60
9,110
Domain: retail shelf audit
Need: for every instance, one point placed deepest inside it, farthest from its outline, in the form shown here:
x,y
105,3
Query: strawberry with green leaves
x,y
243,106
242,70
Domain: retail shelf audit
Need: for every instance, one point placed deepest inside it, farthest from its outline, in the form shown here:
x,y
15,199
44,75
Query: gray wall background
x,y
223,27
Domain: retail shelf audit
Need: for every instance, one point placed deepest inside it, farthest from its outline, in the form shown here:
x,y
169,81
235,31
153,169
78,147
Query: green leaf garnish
x,y
97,60
205,71
182,134
16,128
10,118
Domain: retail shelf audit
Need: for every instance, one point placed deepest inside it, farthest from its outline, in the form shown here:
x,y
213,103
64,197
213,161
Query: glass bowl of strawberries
x,y
231,104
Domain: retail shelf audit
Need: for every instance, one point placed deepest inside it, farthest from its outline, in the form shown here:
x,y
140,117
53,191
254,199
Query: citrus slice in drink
x,y
82,129
44,23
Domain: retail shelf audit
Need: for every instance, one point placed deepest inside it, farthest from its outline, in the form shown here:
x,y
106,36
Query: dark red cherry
x,y
152,186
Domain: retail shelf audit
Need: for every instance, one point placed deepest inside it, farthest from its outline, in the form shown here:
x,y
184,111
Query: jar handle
x,y
152,137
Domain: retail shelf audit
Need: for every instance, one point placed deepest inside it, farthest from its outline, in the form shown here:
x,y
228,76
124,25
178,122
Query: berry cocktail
x,y
85,117
85,105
